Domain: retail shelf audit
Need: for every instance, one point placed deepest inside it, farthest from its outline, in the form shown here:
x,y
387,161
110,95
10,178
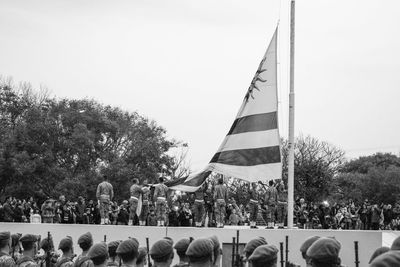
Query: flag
x,y
251,149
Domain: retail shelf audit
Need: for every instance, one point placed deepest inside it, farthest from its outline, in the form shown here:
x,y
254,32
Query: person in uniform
x,y
5,244
221,197
135,192
251,246
198,206
66,259
271,200
113,260
378,252
98,254
145,203
254,202
181,247
388,259
217,251
142,257
127,251
200,253
15,246
264,256
324,252
160,199
104,195
281,210
29,244
85,242
304,247
162,253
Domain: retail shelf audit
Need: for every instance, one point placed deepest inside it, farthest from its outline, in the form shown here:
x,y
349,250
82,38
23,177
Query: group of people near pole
x,y
30,250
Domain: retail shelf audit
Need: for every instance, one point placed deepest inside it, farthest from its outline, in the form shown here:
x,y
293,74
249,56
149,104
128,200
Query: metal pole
x,y
287,250
237,248
105,238
281,251
291,122
148,252
233,251
356,252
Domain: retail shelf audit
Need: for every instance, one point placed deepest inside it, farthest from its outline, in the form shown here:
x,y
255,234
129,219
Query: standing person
x,y
281,212
128,252
162,253
85,242
198,206
264,256
8,213
48,211
135,192
66,259
5,259
104,194
271,200
375,217
201,253
112,252
29,244
160,199
145,203
98,255
181,247
254,202
221,197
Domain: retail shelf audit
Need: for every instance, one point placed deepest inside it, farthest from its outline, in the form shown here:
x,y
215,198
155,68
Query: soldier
x,y
264,256
135,192
281,211
200,252
252,245
112,252
304,247
104,194
217,252
5,259
141,259
127,251
160,196
324,252
254,202
271,200
98,254
198,206
29,244
85,242
378,252
66,259
15,247
162,253
181,247
145,203
221,197
388,259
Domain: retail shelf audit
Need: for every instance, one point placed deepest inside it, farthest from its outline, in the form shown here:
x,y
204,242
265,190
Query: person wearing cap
x,y
264,256
387,259
252,245
142,257
160,199
145,203
379,251
220,198
217,251
104,194
98,254
5,244
29,244
324,252
127,251
162,253
181,247
200,252
15,246
66,259
113,259
85,242
304,247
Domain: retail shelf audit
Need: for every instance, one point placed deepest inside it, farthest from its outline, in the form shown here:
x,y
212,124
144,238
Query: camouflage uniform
x,y
135,192
271,200
220,196
64,262
83,261
281,211
198,207
253,204
145,205
6,260
26,261
160,197
104,194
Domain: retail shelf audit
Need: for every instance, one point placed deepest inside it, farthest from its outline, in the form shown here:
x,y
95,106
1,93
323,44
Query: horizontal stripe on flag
x,y
249,173
185,188
253,123
250,140
248,157
193,180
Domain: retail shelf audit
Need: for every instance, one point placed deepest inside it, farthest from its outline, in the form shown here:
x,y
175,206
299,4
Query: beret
x,y
377,252
28,238
182,244
85,239
264,253
161,248
200,248
388,259
307,243
396,244
98,250
130,245
65,243
169,239
112,246
15,238
253,244
325,248
5,235
45,244
215,241
142,252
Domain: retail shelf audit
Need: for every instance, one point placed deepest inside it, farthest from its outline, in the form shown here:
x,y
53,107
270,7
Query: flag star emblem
x,y
256,78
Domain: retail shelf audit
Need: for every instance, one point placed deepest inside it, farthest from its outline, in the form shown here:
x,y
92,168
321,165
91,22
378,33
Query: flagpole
x,y
291,122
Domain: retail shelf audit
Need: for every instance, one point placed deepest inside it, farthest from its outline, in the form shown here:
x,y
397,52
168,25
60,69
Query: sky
x,y
187,64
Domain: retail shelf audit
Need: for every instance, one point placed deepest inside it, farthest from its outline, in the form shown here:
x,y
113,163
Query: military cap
x,y
28,238
45,244
65,243
85,239
5,236
377,252
182,245
215,241
15,238
112,246
142,252
396,244
169,239
253,244
200,248
325,248
264,253
98,250
307,243
128,246
161,248
388,259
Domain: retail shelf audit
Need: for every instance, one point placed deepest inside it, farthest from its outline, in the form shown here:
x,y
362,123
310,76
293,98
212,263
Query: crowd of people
x,y
209,206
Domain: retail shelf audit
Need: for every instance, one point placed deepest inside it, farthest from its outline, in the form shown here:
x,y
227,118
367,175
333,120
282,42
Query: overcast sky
x,y
187,64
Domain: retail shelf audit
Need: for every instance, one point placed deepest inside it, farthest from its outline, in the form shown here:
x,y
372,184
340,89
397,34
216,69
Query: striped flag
x,y
251,149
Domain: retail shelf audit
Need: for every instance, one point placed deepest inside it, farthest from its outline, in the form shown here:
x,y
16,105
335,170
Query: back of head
x,y
306,244
162,250
142,253
4,239
98,253
253,244
85,241
112,248
377,252
388,259
128,250
28,241
65,244
201,250
396,244
264,256
181,247
324,251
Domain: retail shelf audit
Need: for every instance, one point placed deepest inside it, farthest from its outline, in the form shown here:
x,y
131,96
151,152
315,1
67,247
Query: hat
x,y
215,241
169,239
388,259
396,244
86,239
112,247
65,243
28,238
264,253
15,238
5,236
182,245
253,244
45,244
98,250
128,246
142,252
307,243
160,249
200,248
377,252
325,248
